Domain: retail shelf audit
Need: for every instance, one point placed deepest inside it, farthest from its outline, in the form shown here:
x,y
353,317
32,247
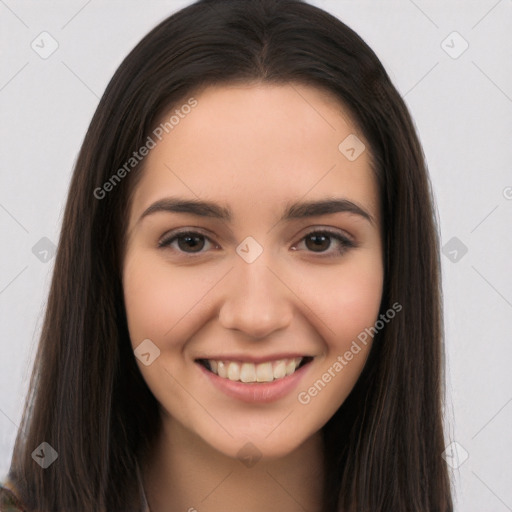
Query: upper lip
x,y
245,358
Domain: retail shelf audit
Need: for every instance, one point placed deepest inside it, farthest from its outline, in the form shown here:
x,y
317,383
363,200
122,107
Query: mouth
x,y
247,372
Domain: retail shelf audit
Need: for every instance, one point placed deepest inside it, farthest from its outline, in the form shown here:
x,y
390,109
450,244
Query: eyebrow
x,y
296,210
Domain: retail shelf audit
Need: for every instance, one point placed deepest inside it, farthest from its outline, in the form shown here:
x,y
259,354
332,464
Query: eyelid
x,y
166,239
331,231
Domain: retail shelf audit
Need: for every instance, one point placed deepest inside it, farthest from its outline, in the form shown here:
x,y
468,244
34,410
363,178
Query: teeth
x,y
280,370
264,372
290,367
221,369
247,373
233,371
250,372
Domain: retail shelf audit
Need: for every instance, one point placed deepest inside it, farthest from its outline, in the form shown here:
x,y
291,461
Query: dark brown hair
x,y
87,397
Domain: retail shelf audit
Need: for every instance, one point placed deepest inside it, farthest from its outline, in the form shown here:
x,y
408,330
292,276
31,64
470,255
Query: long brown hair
x,y
87,397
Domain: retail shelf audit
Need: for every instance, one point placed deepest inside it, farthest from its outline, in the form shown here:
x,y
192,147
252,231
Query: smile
x,y
268,371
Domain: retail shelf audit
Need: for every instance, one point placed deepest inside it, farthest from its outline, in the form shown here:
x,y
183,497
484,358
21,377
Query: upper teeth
x,y
250,372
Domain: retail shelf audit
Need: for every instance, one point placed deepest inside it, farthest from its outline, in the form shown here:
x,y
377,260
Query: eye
x,y
187,241
321,241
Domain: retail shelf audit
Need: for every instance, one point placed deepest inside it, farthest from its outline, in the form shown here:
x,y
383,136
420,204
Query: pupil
x,y
321,242
190,242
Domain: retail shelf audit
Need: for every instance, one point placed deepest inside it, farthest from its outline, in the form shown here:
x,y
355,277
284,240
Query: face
x,y
253,262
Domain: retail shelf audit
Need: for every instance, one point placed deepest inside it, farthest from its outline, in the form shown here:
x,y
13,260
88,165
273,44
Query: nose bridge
x,y
255,300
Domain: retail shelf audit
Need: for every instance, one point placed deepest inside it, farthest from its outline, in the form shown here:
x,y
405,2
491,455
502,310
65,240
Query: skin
x,y
252,148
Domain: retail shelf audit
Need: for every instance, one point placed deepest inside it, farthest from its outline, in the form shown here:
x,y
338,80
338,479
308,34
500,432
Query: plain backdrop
x,y
451,62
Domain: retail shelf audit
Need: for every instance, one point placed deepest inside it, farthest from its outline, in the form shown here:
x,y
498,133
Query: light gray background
x,y
462,108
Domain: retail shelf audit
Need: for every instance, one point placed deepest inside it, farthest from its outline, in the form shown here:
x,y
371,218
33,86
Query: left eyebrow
x,y
296,210
325,207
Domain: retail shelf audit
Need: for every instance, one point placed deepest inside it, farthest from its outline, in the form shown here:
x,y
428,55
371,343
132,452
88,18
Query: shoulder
x,y
8,500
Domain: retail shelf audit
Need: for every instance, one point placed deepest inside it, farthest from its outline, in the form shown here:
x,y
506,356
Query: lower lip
x,y
260,392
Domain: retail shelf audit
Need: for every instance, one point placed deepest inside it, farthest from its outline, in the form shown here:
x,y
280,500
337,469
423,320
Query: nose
x,y
256,301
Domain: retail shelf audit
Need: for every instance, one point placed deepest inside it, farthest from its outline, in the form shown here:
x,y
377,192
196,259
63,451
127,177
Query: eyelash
x,y
345,242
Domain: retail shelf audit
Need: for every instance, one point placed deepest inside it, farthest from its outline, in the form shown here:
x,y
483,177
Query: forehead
x,y
258,145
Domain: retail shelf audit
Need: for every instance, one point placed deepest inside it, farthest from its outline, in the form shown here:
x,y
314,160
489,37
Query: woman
x,y
245,311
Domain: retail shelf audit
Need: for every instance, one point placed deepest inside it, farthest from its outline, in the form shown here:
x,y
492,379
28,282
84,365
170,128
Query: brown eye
x,y
193,243
189,242
318,242
326,243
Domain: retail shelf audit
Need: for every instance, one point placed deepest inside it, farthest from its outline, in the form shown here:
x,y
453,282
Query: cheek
x,y
359,302
349,304
346,300
150,298
159,299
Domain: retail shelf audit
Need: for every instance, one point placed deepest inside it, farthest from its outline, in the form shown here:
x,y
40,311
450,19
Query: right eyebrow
x,y
192,206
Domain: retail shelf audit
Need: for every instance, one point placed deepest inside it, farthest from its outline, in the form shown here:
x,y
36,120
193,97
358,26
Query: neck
x,y
183,473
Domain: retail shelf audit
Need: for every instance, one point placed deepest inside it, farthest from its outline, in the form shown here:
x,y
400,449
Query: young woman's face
x,y
249,282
